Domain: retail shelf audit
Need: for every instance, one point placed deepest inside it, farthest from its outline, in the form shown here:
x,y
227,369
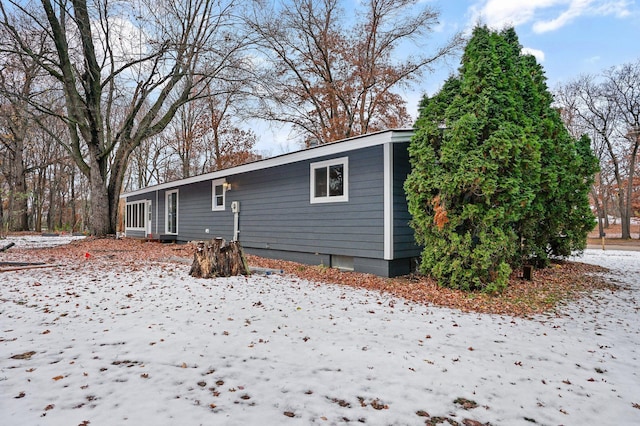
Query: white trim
x,y
388,201
344,162
358,142
214,207
166,210
140,219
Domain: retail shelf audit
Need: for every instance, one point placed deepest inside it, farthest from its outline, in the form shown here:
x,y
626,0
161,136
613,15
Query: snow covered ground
x,y
149,345
40,240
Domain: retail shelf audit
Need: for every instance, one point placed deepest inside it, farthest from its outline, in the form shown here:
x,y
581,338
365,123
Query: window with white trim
x,y
171,212
218,192
329,181
136,216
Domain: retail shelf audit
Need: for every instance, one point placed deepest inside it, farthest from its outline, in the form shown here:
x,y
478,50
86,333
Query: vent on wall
x,y
344,263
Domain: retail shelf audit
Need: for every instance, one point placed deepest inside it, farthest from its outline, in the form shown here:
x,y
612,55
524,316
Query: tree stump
x,y
216,259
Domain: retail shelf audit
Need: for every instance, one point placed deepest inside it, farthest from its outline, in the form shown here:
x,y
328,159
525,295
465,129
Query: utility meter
x,y
235,206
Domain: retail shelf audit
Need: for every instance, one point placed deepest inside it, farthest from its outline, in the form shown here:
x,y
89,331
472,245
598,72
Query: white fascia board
x,y
339,147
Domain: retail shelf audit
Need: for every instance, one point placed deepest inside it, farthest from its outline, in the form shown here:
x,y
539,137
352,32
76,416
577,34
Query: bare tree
x,y
149,163
226,144
184,136
607,108
332,79
18,81
124,69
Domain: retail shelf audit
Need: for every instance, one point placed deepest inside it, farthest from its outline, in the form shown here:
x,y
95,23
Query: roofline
x,y
344,145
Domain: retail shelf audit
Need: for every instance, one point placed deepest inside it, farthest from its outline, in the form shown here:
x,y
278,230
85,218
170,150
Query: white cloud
x,y
576,9
538,54
546,15
500,13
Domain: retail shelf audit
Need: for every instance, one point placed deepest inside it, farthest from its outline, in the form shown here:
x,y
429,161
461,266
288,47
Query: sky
x,y
568,38
93,341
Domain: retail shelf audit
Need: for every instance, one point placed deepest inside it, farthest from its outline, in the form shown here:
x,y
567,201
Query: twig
x,y
18,268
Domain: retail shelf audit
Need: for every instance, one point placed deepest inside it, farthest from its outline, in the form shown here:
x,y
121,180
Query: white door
x,y
149,216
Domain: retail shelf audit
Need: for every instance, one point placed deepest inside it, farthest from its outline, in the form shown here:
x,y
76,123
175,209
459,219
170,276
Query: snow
x,y
149,345
40,241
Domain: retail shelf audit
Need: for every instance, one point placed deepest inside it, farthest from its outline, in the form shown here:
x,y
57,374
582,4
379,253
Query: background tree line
x,y
606,107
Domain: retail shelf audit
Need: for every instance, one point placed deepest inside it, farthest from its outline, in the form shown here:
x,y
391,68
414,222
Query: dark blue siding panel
x,y
276,213
277,219
195,214
404,244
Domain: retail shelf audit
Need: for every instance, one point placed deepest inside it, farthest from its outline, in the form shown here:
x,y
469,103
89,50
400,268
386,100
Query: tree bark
x,y
217,259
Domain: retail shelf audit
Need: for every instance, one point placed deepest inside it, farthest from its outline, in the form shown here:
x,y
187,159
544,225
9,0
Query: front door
x,y
149,216
172,213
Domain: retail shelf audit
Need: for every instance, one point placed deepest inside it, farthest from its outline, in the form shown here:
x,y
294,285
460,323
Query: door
x,y
172,212
149,216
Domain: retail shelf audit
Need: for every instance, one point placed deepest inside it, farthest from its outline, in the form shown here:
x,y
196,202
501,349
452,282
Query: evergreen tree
x,y
490,161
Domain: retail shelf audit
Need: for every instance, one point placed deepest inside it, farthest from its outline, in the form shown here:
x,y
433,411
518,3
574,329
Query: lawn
x,y
111,332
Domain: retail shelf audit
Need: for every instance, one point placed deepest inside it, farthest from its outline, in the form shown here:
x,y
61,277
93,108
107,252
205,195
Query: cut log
x,y
7,247
216,259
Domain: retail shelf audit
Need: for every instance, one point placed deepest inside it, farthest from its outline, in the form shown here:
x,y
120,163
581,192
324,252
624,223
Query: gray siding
x,y
277,219
195,214
404,244
275,212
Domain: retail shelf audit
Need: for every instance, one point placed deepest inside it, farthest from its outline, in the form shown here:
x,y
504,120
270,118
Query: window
x,y
329,181
171,210
218,192
136,218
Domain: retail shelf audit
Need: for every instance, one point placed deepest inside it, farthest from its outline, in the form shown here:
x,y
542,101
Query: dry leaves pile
x,y
550,287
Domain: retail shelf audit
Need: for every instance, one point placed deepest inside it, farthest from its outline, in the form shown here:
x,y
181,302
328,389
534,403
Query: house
x,y
341,204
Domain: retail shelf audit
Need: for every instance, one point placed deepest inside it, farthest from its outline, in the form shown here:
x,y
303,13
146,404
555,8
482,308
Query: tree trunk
x,y
101,223
599,211
625,218
74,220
1,217
217,259
22,201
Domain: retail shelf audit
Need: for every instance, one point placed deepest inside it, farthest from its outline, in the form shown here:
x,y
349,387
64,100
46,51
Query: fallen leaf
x,y
467,404
26,355
58,378
469,422
289,414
